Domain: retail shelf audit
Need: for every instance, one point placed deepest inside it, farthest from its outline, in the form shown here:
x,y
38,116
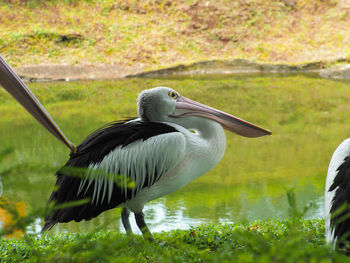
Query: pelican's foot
x,y
125,220
140,221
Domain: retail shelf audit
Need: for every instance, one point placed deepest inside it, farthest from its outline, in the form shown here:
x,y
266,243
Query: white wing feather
x,y
151,158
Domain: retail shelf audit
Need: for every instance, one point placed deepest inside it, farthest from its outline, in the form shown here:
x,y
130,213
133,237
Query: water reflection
x,y
160,217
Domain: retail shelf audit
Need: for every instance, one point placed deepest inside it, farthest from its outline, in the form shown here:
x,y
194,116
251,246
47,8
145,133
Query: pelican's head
x,y
157,104
165,104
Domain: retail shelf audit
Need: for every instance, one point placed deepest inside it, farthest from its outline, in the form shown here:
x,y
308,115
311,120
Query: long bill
x,y
14,85
186,107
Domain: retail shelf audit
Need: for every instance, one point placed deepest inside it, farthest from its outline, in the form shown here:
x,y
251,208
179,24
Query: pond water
x,y
309,117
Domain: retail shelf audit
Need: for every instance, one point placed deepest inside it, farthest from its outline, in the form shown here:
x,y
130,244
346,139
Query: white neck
x,y
204,150
209,141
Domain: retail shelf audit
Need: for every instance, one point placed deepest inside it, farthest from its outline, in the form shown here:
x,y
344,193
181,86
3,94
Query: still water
x,y
308,116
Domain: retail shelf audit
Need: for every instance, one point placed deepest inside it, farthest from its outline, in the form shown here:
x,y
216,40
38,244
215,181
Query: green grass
x,y
261,241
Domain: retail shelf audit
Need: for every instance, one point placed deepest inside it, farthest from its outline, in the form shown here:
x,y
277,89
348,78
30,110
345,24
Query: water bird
x,y
130,162
337,198
173,141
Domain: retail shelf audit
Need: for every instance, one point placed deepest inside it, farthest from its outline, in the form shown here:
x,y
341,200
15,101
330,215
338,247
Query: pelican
x,y
337,198
128,163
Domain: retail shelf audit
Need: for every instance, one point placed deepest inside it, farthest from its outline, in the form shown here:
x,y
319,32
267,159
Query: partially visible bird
x,y
337,198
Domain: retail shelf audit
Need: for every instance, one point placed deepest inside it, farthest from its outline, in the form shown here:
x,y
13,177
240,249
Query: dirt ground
x,y
112,39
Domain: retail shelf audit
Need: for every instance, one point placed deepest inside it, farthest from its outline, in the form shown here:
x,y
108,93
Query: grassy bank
x,y
262,241
161,33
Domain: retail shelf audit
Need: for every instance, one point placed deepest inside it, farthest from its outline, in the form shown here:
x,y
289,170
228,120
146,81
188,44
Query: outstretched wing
x,y
112,165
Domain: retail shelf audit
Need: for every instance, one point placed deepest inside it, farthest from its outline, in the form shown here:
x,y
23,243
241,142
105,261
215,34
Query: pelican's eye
x,y
172,94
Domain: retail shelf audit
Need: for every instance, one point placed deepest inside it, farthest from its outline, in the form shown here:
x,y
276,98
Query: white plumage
x,y
139,159
178,157
174,141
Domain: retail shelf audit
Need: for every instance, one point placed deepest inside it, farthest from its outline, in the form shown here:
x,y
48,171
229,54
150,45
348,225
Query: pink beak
x,y
186,107
19,90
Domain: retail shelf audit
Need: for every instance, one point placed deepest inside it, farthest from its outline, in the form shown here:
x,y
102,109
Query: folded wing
x,y
112,165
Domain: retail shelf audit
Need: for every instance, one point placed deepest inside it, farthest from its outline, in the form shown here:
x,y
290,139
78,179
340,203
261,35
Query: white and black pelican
x,y
337,198
128,163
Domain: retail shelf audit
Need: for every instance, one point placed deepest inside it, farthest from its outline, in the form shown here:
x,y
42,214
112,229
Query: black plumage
x,y
340,209
92,150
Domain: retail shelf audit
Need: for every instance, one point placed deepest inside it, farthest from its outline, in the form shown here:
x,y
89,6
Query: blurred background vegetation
x,y
160,33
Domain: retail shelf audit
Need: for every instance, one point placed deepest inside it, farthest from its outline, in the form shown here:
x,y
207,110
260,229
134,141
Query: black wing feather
x,y
92,150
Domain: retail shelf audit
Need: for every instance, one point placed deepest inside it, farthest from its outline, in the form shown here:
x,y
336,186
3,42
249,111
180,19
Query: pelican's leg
x,y
140,221
125,220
